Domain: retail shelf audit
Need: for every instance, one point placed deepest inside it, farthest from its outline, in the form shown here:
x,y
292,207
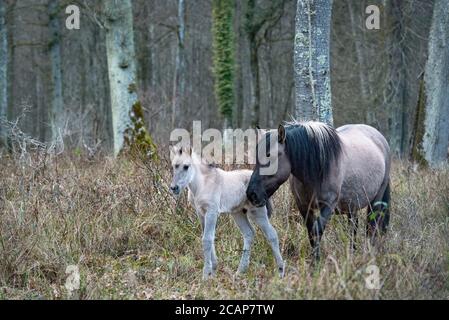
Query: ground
x,y
115,220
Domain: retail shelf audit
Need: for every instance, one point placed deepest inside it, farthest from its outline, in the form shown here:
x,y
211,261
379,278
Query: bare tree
x,y
396,82
436,136
3,68
57,101
312,68
258,22
121,66
179,81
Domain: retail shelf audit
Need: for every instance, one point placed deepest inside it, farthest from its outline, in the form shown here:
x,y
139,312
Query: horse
x,y
331,170
213,191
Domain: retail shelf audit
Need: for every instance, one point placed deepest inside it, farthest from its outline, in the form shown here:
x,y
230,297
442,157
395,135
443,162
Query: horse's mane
x,y
312,148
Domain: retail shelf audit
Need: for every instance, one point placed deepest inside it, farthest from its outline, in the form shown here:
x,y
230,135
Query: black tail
x,y
386,210
379,214
269,206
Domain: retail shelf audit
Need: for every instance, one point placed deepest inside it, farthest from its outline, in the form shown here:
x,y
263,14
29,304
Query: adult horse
x,y
331,170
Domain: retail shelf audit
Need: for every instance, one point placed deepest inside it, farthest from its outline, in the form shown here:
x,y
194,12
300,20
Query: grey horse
x,y
331,170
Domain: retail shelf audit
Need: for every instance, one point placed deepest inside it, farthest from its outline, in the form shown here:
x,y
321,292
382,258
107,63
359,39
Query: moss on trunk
x,y
137,137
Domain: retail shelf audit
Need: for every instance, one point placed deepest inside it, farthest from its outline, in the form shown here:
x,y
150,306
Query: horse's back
x,y
361,132
365,163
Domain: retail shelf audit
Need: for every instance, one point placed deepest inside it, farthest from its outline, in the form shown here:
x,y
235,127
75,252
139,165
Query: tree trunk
x,y
312,67
359,50
396,83
255,83
239,73
179,81
436,137
121,66
223,58
416,152
3,69
57,103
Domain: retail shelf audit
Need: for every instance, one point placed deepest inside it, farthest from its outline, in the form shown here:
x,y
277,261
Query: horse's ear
x,y
281,134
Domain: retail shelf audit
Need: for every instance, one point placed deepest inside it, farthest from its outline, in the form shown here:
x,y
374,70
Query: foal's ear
x,y
187,150
281,134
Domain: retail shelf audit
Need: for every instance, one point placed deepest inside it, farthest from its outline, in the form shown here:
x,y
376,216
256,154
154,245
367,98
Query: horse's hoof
x,y
242,271
281,271
208,274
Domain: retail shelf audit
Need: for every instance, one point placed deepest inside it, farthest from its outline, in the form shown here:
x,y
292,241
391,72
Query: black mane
x,y
312,148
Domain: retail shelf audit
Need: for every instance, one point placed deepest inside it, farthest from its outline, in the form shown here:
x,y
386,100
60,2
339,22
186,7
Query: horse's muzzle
x,y
252,197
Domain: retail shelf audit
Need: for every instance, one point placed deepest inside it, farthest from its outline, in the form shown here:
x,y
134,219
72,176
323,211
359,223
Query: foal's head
x,y
183,171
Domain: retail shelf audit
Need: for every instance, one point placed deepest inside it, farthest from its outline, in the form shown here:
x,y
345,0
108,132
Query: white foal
x,y
213,191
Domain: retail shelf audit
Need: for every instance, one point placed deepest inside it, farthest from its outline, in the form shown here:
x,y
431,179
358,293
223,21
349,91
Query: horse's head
x,y
272,167
183,171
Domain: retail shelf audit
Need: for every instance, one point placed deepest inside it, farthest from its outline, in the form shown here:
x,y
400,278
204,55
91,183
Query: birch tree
x,y
436,136
311,60
57,102
121,66
3,68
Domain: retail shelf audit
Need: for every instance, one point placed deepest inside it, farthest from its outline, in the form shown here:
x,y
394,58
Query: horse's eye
x,y
176,166
186,167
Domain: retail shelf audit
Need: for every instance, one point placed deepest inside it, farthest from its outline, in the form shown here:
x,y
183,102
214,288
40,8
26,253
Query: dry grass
x,y
116,221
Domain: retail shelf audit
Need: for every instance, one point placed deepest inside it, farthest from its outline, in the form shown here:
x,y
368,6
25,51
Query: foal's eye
x,y
176,166
186,167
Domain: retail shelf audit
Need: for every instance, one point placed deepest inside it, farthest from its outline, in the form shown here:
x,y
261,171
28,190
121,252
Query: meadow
x,y
116,220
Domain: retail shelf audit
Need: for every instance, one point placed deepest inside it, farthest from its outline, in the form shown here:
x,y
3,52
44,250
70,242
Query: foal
x,y
213,191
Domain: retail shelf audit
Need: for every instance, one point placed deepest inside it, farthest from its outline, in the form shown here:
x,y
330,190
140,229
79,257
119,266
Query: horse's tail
x,y
386,199
269,206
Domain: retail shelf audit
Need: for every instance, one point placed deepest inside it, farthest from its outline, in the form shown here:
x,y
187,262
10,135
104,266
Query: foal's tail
x,y
269,206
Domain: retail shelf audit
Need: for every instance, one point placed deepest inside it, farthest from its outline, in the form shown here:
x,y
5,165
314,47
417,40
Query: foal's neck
x,y
198,176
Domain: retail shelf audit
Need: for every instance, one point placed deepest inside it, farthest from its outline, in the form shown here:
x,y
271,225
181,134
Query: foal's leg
x,y
208,242
214,255
260,217
247,231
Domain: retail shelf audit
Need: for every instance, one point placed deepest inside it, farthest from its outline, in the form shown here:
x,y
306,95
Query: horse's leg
x,y
300,195
208,242
308,217
248,235
260,217
319,225
353,226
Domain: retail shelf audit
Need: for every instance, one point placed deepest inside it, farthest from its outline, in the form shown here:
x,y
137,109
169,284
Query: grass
x,y
130,239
